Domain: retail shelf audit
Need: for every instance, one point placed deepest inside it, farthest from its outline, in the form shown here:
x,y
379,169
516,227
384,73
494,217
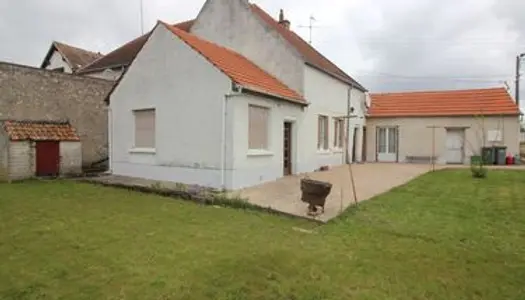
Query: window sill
x,y
324,151
255,152
337,150
143,150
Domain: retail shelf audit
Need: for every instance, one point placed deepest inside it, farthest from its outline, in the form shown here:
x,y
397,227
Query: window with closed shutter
x,y
144,128
339,132
322,133
258,127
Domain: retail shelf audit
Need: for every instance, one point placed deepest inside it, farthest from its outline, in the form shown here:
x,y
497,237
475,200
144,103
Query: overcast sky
x,y
386,45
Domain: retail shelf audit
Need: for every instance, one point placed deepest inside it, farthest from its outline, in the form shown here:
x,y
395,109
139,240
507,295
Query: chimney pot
x,y
282,21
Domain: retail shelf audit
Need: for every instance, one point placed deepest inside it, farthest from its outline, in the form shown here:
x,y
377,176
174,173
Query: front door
x,y
354,147
287,149
455,146
387,142
47,158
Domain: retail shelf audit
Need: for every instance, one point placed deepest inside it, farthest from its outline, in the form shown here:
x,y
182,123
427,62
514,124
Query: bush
x,y
478,170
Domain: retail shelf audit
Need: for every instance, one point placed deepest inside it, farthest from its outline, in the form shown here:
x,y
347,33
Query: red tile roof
x,y
241,70
75,57
492,101
124,55
40,131
311,56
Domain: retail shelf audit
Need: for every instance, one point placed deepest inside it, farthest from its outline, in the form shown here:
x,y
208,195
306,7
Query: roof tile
x,y
492,101
241,70
75,56
40,131
124,55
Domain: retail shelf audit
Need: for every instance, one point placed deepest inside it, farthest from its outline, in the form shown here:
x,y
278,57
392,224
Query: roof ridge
x,y
435,91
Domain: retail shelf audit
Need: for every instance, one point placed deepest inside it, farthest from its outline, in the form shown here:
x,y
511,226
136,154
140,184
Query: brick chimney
x,y
282,21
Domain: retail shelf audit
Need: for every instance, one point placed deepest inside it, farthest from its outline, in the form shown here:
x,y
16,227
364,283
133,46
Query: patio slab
x,y
371,179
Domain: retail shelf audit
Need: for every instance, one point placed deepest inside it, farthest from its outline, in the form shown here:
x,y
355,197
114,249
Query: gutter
x,y
268,94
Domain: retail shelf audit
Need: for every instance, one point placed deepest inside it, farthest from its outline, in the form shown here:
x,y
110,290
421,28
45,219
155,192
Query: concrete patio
x,y
371,179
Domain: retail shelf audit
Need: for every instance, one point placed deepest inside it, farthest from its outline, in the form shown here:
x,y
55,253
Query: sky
x,y
386,45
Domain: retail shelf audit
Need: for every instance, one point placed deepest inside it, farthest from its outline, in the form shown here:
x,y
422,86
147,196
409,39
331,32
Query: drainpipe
x,y
237,90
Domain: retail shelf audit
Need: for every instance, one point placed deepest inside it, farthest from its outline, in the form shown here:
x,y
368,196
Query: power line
x,y
487,79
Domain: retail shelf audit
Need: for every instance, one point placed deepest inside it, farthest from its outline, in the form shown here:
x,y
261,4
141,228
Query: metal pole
x,y
518,67
141,16
432,158
433,149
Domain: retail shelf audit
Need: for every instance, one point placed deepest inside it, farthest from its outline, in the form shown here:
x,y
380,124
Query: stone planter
x,y
314,193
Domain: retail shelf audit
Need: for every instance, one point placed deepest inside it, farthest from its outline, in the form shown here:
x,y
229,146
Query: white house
x,y
188,110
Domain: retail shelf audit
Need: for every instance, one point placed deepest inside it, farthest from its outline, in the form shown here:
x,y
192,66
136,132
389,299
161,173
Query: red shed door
x,y
47,158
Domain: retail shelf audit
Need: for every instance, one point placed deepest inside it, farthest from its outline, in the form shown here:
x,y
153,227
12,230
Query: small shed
x,y
38,148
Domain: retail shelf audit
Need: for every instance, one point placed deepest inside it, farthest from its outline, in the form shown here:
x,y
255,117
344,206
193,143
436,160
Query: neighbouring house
x,y
38,148
112,65
28,93
447,126
65,58
192,111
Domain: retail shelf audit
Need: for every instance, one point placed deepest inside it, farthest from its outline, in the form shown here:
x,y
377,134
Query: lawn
x,y
442,236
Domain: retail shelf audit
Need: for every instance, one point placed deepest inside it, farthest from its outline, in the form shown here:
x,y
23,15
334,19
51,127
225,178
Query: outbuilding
x,y
38,148
447,127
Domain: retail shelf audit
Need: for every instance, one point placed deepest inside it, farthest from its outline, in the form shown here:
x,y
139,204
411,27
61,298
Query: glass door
x,y
387,140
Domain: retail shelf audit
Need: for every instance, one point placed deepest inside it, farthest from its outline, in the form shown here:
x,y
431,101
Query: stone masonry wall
x,y
28,93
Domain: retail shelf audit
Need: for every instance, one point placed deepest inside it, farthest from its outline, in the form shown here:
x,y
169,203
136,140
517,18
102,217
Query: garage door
x,y
455,146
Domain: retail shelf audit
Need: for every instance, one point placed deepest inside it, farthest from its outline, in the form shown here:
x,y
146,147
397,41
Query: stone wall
x,y
28,93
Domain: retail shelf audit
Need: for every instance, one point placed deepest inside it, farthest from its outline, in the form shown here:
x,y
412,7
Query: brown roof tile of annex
x,y
124,55
241,70
76,57
491,101
309,53
40,131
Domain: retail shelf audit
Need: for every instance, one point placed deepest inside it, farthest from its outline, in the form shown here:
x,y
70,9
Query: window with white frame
x,y
258,127
144,128
322,133
339,133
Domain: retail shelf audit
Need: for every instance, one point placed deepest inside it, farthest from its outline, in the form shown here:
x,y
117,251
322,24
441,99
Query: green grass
x,y
442,236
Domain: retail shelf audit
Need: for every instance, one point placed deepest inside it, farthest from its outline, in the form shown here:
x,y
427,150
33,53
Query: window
x,y
322,133
387,139
144,128
258,127
339,133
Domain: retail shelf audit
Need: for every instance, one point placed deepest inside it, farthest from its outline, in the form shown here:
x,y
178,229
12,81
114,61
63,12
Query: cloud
x,y
387,45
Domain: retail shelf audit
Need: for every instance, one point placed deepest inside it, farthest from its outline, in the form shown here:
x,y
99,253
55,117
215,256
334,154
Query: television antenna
x,y
310,27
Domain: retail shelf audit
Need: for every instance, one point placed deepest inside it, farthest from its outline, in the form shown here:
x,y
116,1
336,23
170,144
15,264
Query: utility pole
x,y
519,58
